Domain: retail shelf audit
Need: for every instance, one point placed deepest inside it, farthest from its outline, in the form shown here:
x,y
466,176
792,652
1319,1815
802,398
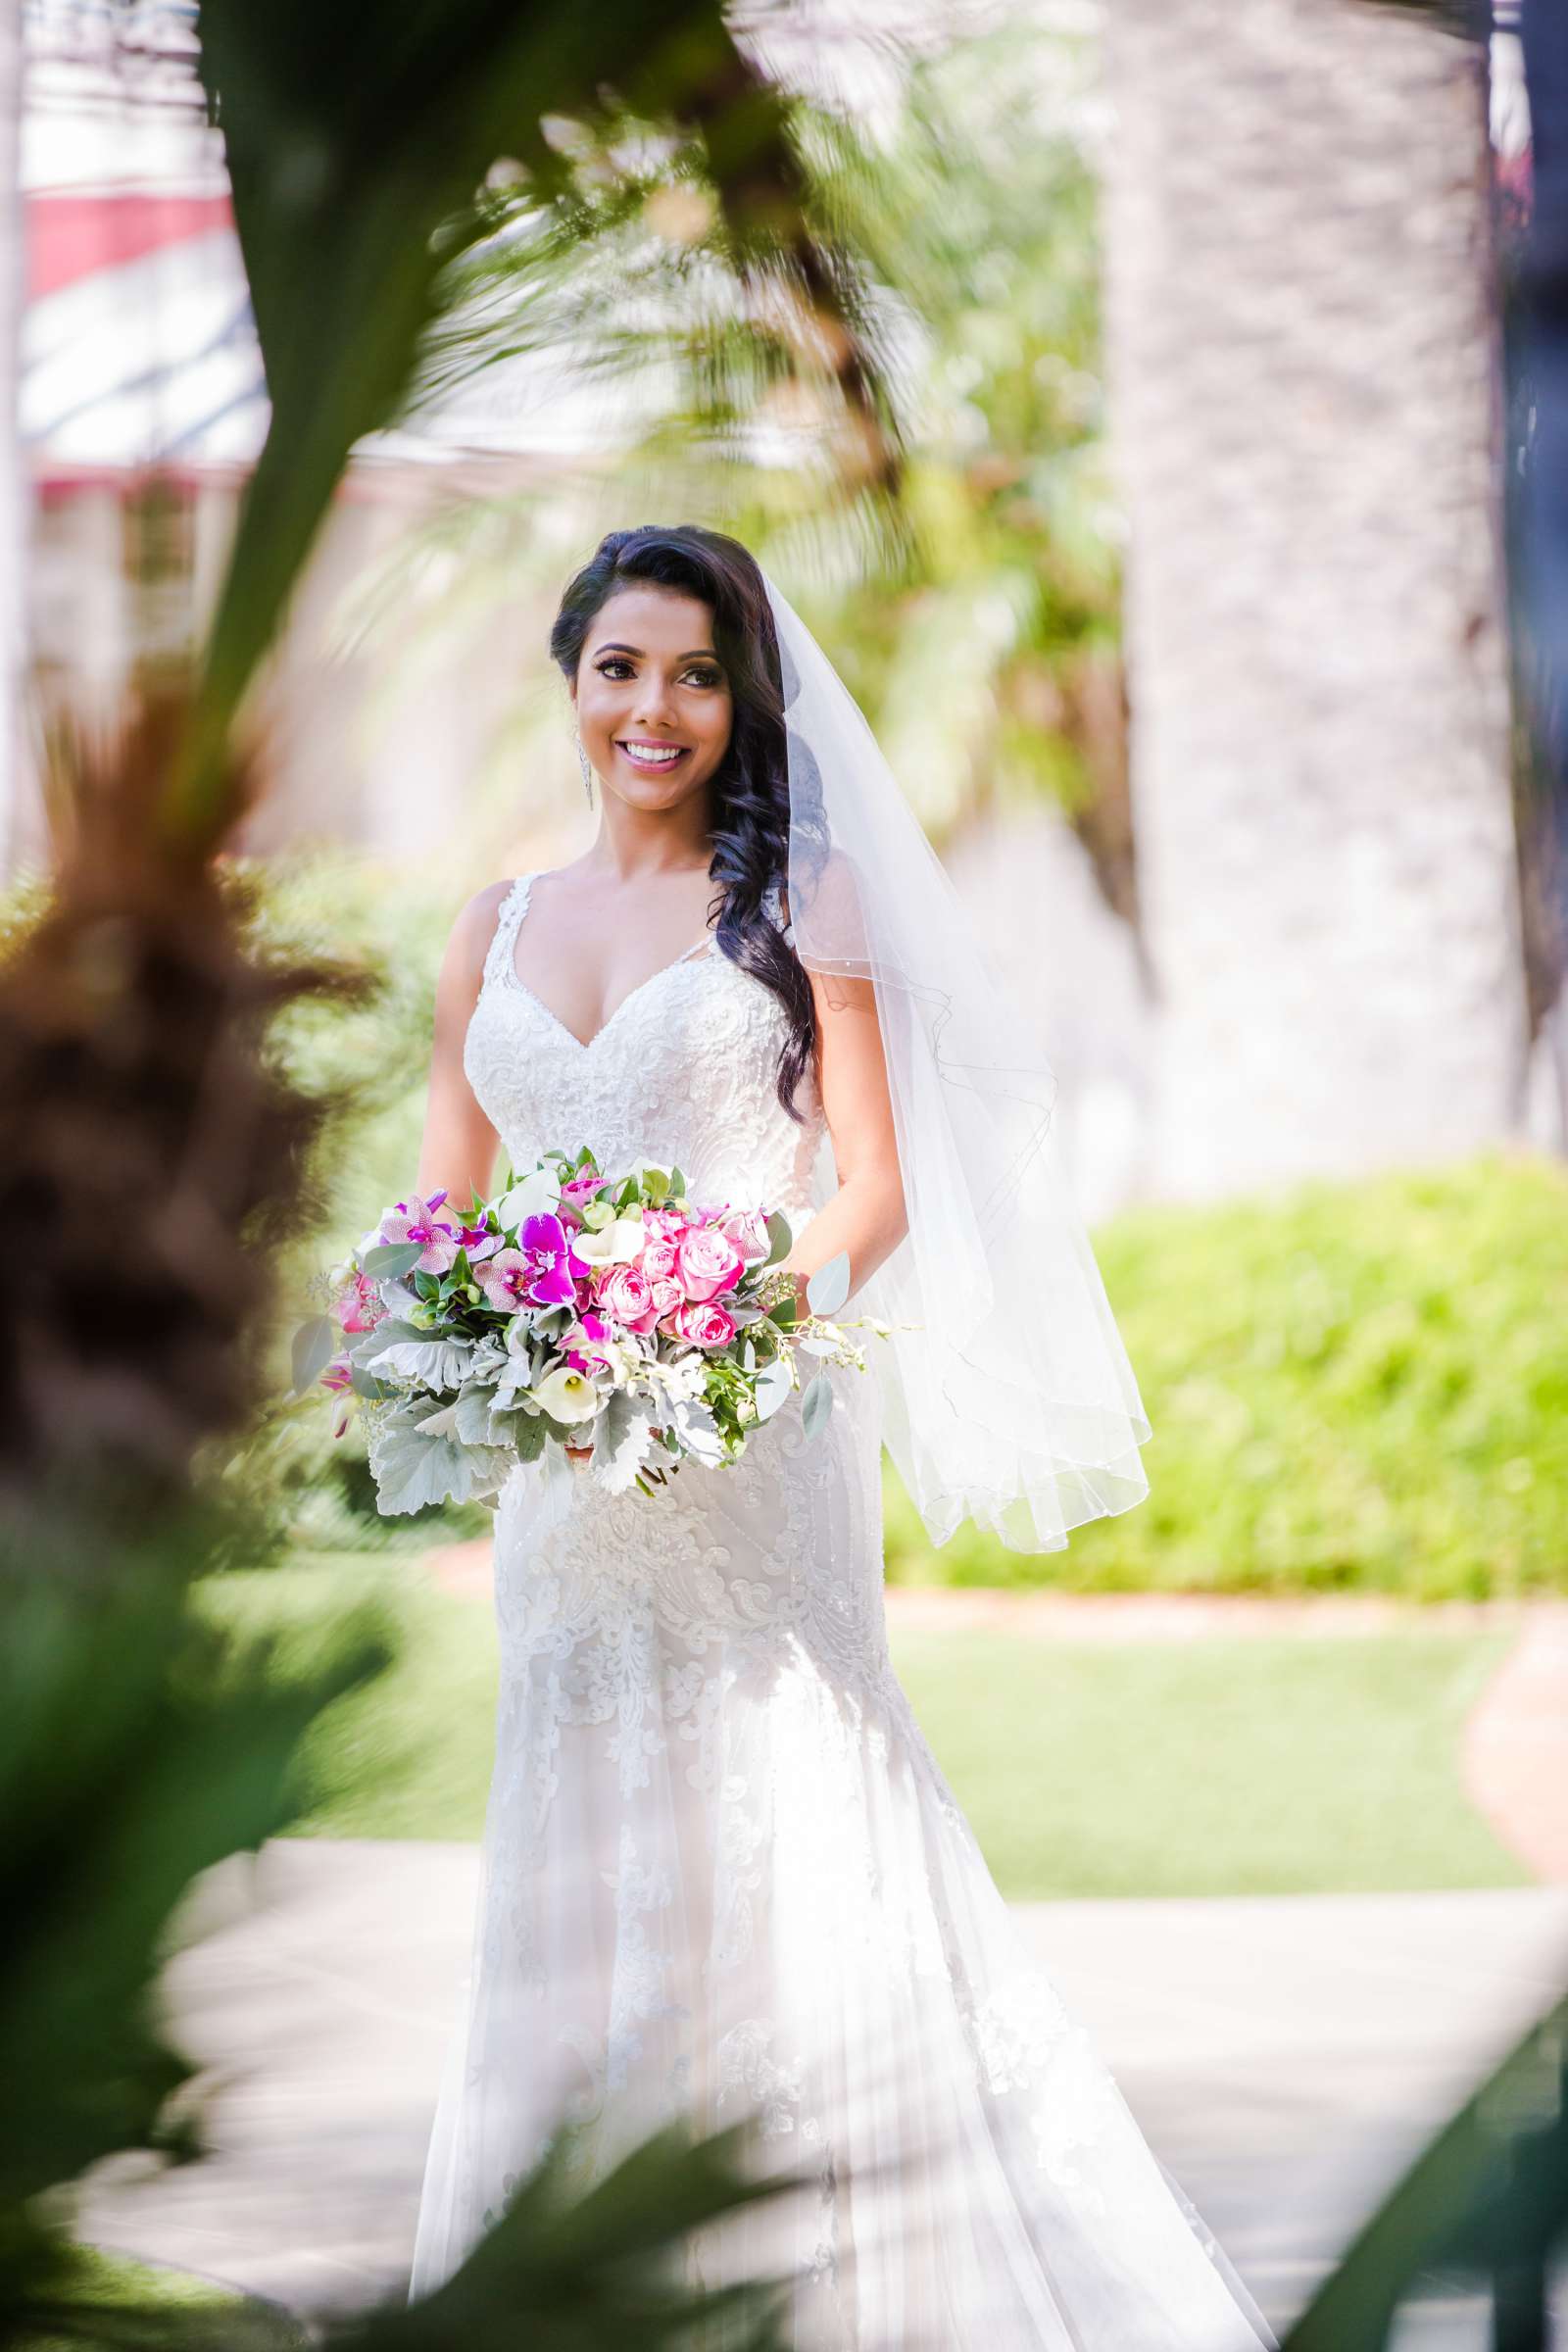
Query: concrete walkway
x,y
1287,2057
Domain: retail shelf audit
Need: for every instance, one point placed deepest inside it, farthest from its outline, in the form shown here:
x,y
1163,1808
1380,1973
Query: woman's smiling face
x,y
653,704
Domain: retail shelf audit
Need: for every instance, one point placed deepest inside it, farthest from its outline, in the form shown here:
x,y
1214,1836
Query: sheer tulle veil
x,y
1008,1396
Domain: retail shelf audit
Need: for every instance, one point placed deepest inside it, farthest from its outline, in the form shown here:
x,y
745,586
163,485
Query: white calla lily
x,y
537,1195
613,1244
566,1396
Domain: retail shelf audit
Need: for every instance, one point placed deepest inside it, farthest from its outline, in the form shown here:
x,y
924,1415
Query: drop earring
x,y
587,773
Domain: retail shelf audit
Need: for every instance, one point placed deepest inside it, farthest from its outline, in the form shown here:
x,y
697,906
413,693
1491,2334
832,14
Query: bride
x,y
722,1875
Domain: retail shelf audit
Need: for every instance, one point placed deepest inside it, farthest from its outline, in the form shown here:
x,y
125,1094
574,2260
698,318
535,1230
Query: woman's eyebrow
x,y
700,653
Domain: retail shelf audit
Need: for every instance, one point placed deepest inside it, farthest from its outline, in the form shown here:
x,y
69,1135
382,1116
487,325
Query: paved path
x,y
1515,1754
1286,2055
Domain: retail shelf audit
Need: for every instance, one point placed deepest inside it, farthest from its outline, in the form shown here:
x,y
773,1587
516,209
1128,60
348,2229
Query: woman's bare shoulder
x,y
469,941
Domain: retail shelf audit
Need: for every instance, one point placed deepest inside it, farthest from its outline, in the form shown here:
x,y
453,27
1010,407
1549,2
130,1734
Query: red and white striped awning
x,y
138,346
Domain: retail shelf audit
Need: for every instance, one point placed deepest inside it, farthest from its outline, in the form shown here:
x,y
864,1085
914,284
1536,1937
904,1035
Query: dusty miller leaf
x,y
413,1469
436,1362
698,1432
622,1440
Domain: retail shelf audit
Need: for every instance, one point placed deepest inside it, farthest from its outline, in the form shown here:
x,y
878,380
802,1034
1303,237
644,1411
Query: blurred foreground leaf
x,y
137,1747
1489,2199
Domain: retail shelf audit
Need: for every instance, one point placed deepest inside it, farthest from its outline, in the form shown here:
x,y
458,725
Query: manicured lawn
x,y
1211,1767
1203,1767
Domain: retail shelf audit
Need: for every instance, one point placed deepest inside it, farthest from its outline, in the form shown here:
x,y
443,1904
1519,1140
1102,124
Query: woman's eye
x,y
617,666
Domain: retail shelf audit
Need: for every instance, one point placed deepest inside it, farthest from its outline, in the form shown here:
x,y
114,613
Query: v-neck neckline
x,y
585,1045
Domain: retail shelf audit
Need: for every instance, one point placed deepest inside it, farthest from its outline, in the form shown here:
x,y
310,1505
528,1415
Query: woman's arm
x,y
866,1217
459,1151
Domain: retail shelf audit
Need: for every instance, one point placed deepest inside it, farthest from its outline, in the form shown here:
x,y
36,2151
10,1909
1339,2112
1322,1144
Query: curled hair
x,y
749,789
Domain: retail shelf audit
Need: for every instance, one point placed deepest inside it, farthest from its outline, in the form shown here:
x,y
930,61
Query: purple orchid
x,y
583,1355
339,1378
538,1271
478,1240
415,1221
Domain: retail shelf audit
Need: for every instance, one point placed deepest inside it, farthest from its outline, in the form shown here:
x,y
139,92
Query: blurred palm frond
x,y
366,160
156,1149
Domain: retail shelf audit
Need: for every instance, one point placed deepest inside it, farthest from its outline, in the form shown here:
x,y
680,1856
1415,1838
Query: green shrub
x,y
1351,1387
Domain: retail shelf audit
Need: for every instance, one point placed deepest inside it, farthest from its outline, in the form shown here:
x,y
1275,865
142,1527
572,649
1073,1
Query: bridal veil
x,y
1008,1396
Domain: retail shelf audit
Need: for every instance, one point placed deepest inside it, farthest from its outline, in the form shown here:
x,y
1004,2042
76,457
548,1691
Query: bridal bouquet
x,y
602,1312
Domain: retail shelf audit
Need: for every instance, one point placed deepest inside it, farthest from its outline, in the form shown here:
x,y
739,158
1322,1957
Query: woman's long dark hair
x,y
750,788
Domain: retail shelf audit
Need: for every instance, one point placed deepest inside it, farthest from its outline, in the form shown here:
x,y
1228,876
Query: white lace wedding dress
x,y
722,1873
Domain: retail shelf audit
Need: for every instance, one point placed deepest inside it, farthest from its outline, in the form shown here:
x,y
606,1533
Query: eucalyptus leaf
x,y
816,1405
829,1286
314,1345
774,1383
814,1345
367,1385
779,1237
391,1259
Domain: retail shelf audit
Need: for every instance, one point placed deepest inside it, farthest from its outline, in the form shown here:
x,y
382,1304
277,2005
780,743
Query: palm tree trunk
x,y
1302,353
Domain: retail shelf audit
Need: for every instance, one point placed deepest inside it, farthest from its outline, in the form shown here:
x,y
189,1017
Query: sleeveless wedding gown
x,y
722,1874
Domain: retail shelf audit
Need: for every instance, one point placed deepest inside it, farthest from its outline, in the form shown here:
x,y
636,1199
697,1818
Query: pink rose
x,y
625,1295
659,1259
747,1228
707,1261
703,1324
667,1294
